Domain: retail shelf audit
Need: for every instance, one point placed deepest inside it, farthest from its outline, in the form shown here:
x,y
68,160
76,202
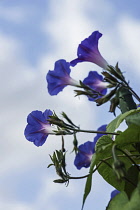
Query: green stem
x,y
129,158
63,148
134,94
113,152
128,180
91,131
102,161
132,91
81,177
85,176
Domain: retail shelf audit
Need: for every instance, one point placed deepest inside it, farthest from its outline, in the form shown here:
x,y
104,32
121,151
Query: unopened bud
x,y
119,169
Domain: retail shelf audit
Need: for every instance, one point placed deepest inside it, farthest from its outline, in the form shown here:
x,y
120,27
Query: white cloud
x,y
129,29
120,44
23,89
67,26
51,190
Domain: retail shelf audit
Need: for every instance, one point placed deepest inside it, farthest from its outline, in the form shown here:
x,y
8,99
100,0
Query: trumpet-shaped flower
x,y
95,81
38,127
86,150
102,128
88,51
84,155
59,77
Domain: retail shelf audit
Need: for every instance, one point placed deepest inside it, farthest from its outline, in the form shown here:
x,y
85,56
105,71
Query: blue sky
x,y
33,35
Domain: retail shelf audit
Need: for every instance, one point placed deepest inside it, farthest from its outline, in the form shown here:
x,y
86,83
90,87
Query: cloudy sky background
x,y
33,35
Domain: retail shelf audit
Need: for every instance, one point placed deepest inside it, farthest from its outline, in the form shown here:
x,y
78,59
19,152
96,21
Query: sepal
x,y
105,98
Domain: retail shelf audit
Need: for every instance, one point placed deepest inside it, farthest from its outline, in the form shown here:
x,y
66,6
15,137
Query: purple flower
x,y
38,127
59,77
102,128
86,150
84,155
95,81
114,193
88,51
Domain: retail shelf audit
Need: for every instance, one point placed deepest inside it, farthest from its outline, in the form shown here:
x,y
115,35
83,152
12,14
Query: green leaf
x,y
116,72
114,102
55,161
134,202
114,124
105,98
132,174
119,71
126,101
107,172
109,77
129,136
120,201
89,180
93,162
102,143
104,152
133,119
68,119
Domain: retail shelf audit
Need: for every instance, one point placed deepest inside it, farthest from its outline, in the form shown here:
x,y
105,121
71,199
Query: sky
x,y
33,35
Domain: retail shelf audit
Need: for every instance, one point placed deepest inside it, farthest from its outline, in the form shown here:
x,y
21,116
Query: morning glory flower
x,y
114,193
59,77
38,127
84,155
86,150
102,128
88,51
95,81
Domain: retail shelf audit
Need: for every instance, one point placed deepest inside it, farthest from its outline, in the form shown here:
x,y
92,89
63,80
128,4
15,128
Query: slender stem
x,y
104,161
91,131
132,91
68,132
130,181
134,94
63,148
129,158
113,152
85,176
81,177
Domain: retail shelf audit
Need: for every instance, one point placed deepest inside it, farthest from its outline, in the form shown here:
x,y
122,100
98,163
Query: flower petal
x,y
88,51
95,81
114,193
102,128
59,77
36,130
84,155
